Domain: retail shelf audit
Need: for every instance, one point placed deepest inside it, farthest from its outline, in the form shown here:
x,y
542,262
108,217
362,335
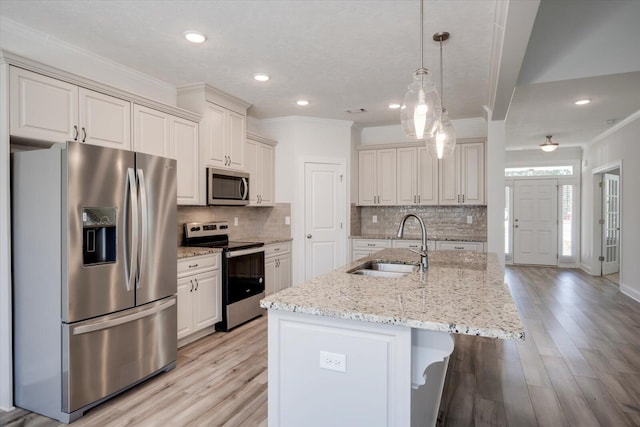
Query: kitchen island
x,y
355,350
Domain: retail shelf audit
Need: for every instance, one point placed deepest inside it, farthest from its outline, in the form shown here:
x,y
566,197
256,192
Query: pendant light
x,y
548,145
442,138
419,111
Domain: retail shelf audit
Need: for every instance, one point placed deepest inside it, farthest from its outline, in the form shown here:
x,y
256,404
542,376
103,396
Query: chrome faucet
x,y
424,262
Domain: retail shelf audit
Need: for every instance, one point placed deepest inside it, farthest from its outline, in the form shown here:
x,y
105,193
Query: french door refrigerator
x,y
94,274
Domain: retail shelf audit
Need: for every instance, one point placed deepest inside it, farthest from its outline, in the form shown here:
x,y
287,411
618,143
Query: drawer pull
x,y
193,265
458,247
371,244
276,249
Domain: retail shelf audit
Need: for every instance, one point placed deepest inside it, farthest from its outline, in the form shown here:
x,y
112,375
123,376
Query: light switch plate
x,y
287,220
333,361
374,219
469,219
235,220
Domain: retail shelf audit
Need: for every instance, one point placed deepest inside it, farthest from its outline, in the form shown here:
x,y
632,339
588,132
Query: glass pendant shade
x,y
442,138
419,111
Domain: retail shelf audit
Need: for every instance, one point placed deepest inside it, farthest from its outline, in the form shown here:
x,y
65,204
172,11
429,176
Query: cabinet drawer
x,y
413,244
196,264
460,246
371,244
277,249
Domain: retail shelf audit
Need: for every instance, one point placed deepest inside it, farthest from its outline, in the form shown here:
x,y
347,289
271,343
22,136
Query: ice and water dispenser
x,y
99,235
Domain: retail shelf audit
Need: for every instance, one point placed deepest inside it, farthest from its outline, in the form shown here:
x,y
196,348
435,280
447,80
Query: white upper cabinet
x,y
184,138
224,138
44,108
259,162
462,176
105,120
377,177
417,177
152,132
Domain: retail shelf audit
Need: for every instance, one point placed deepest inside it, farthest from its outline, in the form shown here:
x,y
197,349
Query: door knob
x,y
309,236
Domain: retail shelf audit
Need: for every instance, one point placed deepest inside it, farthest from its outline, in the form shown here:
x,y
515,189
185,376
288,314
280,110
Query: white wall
x,y
303,139
623,146
537,157
41,47
494,180
465,128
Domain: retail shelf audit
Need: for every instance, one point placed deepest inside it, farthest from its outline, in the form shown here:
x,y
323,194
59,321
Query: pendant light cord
x,y
421,34
441,84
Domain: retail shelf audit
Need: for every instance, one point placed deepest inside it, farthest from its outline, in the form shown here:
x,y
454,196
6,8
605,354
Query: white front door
x,y
535,222
324,218
611,226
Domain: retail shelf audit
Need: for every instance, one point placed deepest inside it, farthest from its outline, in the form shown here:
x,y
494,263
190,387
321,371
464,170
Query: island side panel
x,y
374,390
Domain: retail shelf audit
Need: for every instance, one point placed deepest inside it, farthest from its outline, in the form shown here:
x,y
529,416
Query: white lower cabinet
x,y
277,267
460,246
361,248
199,296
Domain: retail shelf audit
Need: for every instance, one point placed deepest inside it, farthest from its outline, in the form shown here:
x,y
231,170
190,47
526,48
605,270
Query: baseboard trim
x,y
586,268
7,409
630,292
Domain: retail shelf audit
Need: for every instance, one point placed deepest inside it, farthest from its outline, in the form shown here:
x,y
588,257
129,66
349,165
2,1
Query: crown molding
x,y
215,96
405,144
308,119
258,138
616,127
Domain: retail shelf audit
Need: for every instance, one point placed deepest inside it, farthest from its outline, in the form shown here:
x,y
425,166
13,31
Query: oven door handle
x,y
233,254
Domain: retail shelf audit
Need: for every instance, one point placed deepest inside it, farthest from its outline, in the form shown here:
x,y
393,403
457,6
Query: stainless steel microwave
x,y
227,188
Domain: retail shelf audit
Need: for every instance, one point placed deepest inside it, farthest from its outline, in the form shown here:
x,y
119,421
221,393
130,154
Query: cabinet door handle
x,y
191,290
458,198
84,135
419,198
197,284
75,132
463,198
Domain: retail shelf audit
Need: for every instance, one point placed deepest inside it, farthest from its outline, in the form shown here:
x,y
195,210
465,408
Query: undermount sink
x,y
383,269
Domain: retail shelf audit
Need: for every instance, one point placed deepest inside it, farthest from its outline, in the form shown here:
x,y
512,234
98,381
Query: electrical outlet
x,y
469,219
374,219
235,220
287,220
333,361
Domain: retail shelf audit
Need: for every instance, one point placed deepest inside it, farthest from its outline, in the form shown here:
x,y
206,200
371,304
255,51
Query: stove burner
x,y
213,235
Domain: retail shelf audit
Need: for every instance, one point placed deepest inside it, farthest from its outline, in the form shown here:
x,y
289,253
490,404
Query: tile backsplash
x,y
441,221
263,222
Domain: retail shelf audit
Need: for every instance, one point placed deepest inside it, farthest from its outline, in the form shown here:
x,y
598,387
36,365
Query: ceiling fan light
x,y
549,146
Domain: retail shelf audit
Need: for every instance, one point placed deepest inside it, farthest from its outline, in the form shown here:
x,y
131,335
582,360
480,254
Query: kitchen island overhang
x,y
384,336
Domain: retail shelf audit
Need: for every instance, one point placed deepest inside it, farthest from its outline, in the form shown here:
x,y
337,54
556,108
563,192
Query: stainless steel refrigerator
x,y
94,246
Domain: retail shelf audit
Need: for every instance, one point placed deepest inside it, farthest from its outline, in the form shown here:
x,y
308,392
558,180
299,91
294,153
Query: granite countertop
x,y
429,238
189,251
461,292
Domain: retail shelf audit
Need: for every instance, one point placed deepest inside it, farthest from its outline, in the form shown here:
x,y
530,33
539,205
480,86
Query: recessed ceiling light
x,y
261,77
302,102
195,36
582,101
394,106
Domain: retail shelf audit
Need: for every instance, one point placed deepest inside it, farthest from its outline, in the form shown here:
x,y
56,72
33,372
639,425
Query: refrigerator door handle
x,y
145,218
106,324
130,272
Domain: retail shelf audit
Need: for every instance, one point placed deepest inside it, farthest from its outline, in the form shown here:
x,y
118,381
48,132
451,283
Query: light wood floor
x,y
579,366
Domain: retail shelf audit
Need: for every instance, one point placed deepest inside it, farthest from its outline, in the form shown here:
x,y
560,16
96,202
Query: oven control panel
x,y
204,229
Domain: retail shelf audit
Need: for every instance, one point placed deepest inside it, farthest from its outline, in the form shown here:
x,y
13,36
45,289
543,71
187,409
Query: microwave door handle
x,y
145,214
244,184
133,249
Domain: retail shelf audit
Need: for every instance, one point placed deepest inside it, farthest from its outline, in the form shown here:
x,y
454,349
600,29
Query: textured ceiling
x,y
361,54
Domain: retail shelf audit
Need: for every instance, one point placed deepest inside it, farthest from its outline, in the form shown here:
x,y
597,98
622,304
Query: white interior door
x,y
535,222
324,218
611,226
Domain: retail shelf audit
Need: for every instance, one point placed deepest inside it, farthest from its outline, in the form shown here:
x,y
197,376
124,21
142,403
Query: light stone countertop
x,y
461,292
429,238
189,251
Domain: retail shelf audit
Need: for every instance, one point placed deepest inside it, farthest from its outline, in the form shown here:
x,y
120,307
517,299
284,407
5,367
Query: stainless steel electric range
x,y
242,271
